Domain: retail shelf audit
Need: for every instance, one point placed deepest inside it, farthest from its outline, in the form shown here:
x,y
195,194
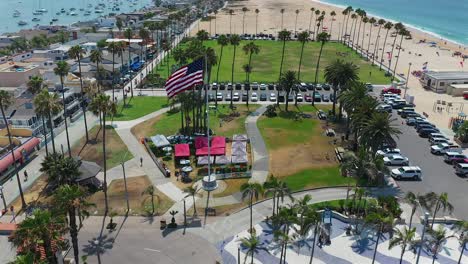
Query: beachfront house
x,y
15,74
439,81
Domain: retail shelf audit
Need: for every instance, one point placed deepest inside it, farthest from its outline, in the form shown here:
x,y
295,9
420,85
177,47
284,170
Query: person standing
x,y
25,176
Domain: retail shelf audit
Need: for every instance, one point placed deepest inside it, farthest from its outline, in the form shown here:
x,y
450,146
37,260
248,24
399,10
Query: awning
x,y
182,150
213,151
218,142
223,160
27,147
239,159
240,137
201,142
238,152
88,169
239,144
203,160
160,141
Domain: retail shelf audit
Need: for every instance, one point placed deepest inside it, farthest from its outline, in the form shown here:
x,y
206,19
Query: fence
x,y
154,158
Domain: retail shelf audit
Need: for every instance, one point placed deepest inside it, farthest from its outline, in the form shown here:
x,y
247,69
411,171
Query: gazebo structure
x,y
240,137
182,151
203,160
160,141
223,160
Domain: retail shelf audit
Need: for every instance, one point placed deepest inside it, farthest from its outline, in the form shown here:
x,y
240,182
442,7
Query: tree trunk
x,y
313,244
274,203
282,59
334,101
52,132
251,212
398,56
413,210
106,210
383,49
286,98
232,74
74,234
65,117
82,100
376,45
376,244
300,62
219,64
316,73
44,132
461,253
194,207
437,207
391,55
402,253
113,74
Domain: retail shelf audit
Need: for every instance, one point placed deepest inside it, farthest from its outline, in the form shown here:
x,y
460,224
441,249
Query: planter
x,y
461,143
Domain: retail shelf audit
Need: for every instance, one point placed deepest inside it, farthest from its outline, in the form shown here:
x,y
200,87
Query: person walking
x,y
25,176
141,161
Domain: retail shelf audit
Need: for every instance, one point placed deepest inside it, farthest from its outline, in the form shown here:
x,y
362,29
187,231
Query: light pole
x,y
407,79
426,217
3,198
125,181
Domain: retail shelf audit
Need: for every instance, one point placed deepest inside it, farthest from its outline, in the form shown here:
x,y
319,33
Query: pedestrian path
x,y
260,155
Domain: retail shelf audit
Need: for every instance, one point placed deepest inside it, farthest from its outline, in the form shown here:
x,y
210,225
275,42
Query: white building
x,y
439,81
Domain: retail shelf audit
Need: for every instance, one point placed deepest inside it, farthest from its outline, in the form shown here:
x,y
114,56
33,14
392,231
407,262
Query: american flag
x,y
184,78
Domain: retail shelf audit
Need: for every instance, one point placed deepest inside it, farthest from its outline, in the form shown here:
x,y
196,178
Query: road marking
x,y
150,249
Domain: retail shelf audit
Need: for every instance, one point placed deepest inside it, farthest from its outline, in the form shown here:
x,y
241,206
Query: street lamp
x,y
407,78
426,217
3,198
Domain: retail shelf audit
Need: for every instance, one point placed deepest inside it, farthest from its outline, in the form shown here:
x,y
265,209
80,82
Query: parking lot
x,y
438,176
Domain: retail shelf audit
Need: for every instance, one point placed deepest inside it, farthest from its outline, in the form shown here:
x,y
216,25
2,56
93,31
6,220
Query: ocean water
x,y
447,19
8,23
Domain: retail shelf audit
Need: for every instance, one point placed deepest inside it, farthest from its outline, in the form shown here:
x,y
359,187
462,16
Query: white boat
x,y
73,14
22,23
54,19
37,13
98,11
36,19
42,10
16,13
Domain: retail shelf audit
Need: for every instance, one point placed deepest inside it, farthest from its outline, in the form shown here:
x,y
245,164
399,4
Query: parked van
x,y
436,141
449,156
461,169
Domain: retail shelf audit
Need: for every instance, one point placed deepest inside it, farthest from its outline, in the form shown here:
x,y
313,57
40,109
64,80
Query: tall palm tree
x,y
96,57
62,70
295,23
251,191
282,16
413,200
77,52
462,227
398,27
332,14
371,22
252,244
283,35
387,26
113,47
282,191
317,13
270,187
128,34
441,202
231,12
48,105
250,49
303,37
403,33
191,191
6,101
287,82
319,26
202,35
287,217
380,222
222,41
377,130
35,85
105,107
312,9
348,10
40,230
257,11
60,170
69,199
362,14
365,20
244,11
340,75
145,36
381,23
352,29
403,238
215,15
235,41
322,38
437,238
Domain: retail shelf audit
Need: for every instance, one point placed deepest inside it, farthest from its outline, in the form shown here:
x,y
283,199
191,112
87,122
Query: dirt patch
x,y
35,194
145,128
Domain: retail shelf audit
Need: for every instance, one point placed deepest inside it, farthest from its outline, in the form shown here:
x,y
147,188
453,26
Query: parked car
x,y
271,86
443,148
281,98
318,86
369,87
229,86
303,87
246,86
211,97
394,160
326,87
214,86
219,96
245,96
461,169
457,161
228,97
450,156
332,97
272,97
425,132
290,98
407,172
263,97
391,90
255,86
408,109
222,86
254,97
299,97
235,97
238,86
263,86
325,98
388,152
384,108
437,141
307,98
434,136
317,97
405,113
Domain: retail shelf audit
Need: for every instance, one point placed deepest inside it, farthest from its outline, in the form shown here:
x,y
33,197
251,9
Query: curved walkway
x,y
261,159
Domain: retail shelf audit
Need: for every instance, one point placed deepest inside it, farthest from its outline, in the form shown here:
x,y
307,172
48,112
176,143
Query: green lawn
x,y
317,177
139,106
265,65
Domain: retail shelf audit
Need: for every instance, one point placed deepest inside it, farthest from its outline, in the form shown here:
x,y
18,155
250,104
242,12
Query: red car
x,y
455,161
308,98
391,90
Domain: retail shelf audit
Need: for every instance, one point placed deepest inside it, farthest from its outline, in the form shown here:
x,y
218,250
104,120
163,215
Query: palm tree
x,y
365,20
35,84
235,41
322,38
231,12
441,202
332,14
48,104
76,52
352,29
128,34
437,238
319,26
295,23
119,23
6,101
222,41
398,27
250,49
113,47
102,105
256,21
403,238
191,192
362,14
387,26
362,166
215,14
348,10
380,223
377,130
413,200
283,35
403,33
145,36
340,75
244,10
282,15
312,9
303,37
62,70
371,22
60,170
270,188
40,231
462,227
69,199
151,191
251,191
287,82
202,35
96,57
381,22
317,13
282,191
252,244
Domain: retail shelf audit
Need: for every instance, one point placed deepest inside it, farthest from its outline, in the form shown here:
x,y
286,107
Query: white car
x,y
228,97
443,148
263,86
254,97
388,152
299,97
407,172
273,97
235,97
396,160
219,96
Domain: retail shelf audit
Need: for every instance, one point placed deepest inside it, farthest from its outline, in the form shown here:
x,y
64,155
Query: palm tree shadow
x,y
363,243
98,246
120,227
191,223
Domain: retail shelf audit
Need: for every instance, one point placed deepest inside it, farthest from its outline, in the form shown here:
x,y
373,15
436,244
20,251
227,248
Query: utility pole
x,y
407,79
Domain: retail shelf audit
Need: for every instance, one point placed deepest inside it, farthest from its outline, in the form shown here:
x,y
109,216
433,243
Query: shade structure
x,y
160,141
239,137
20,152
218,142
182,150
203,160
239,144
238,152
213,151
201,142
239,159
223,159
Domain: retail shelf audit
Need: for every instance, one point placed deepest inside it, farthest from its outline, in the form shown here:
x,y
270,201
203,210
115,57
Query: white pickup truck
x,y
443,148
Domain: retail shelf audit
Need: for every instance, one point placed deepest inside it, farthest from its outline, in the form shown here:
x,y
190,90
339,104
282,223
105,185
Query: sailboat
x,y
16,13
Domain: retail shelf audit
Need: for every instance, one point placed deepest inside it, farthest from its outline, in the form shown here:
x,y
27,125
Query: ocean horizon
x,y
444,19
9,23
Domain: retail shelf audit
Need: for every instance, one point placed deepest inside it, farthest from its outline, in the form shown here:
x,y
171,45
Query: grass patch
x,y
317,177
233,186
139,106
265,65
138,202
92,151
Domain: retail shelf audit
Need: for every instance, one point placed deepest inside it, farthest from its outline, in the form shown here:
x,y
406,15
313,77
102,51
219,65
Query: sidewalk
x,y
261,159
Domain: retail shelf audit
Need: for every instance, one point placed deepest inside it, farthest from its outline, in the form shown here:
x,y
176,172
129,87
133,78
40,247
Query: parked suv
x,y
407,172
388,152
450,156
461,169
443,148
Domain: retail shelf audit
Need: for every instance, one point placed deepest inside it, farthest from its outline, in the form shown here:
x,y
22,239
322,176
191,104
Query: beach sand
x,y
269,21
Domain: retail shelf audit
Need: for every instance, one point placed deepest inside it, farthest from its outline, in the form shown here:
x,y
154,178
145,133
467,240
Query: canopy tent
x,y
182,150
218,142
201,142
239,137
203,160
238,152
213,151
160,141
223,159
239,159
239,144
